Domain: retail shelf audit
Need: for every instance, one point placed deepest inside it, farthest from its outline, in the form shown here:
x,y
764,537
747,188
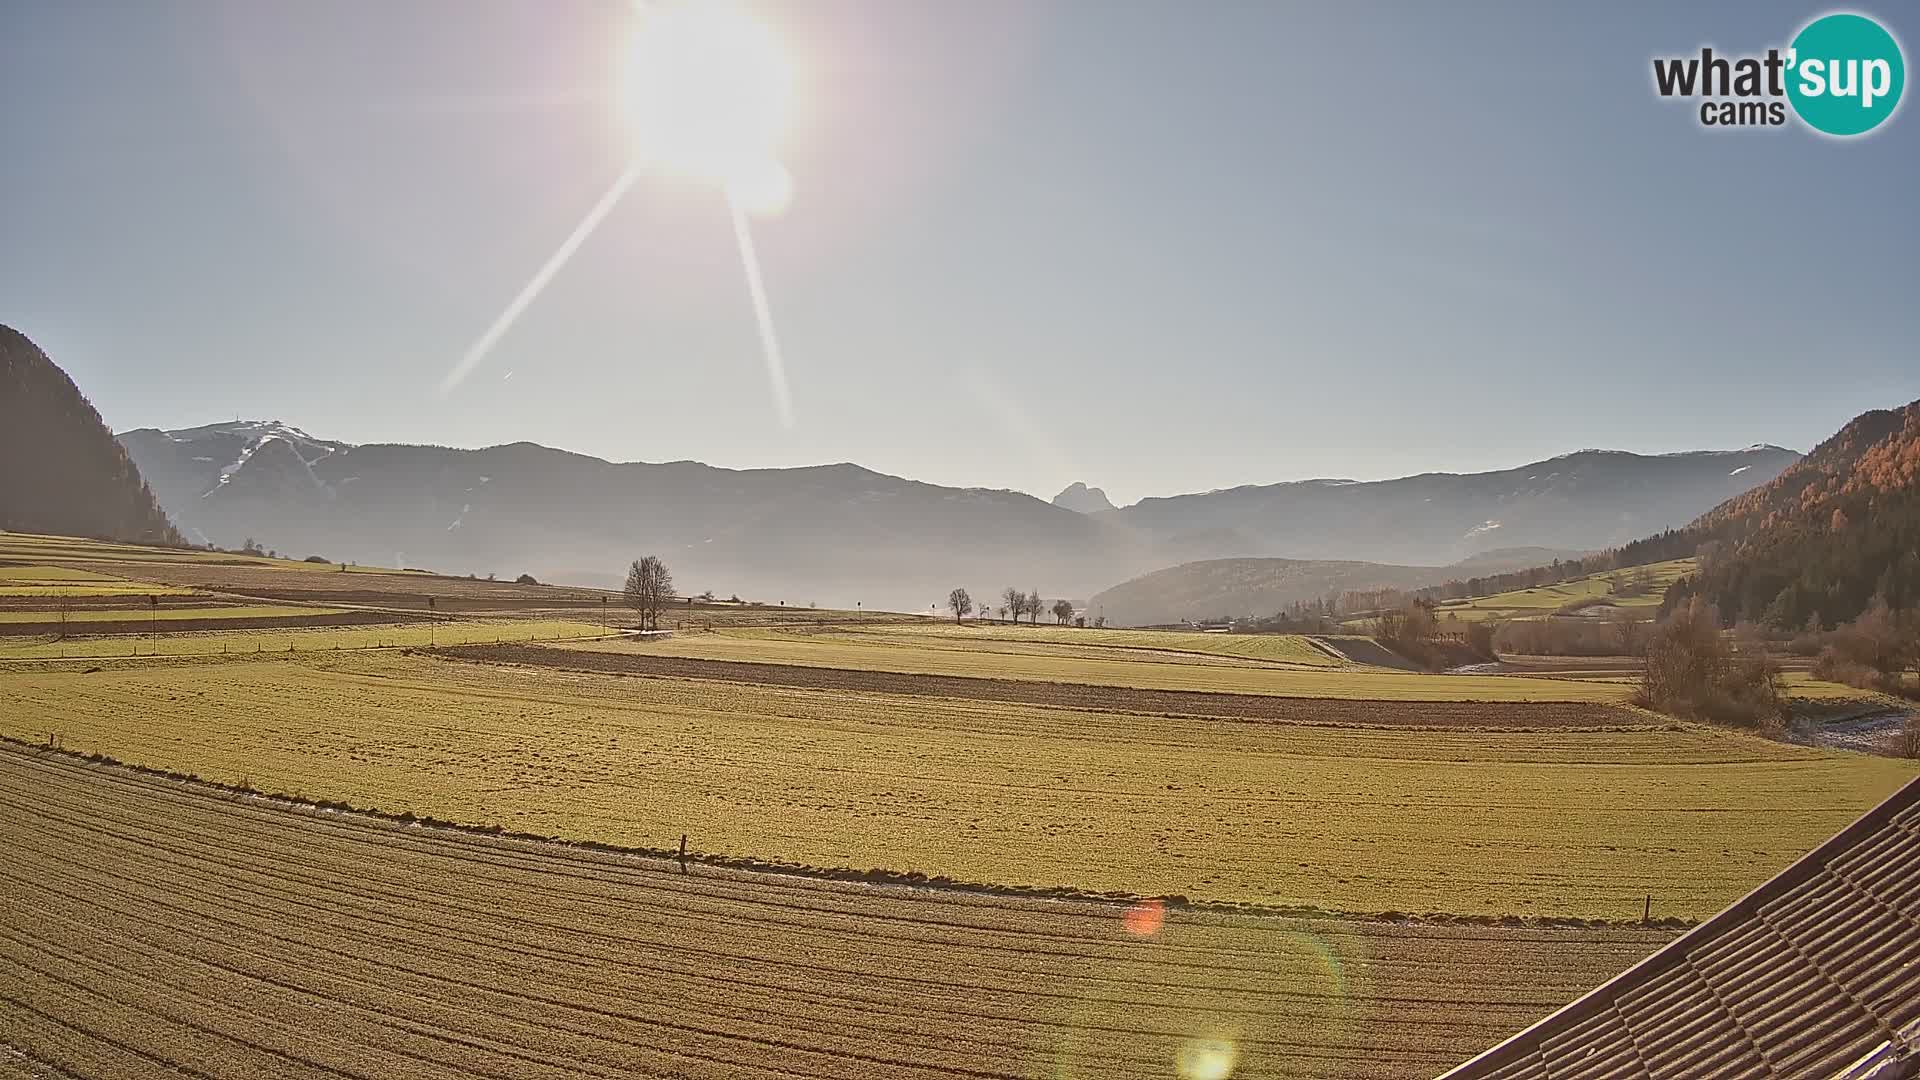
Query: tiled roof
x,y
1814,974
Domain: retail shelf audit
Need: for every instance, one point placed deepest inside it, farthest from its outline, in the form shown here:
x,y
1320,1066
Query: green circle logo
x,y
1845,74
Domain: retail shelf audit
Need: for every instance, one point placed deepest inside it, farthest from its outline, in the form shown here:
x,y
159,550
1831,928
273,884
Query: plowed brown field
x,y
150,927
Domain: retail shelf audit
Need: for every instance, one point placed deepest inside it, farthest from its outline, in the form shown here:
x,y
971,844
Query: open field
x,y
68,550
1473,821
1293,649
38,571
149,922
146,922
1615,587
39,582
384,634
157,614
863,650
1324,711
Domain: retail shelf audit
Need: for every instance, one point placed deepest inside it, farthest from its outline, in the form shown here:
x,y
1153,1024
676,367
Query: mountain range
x,y
1247,588
841,534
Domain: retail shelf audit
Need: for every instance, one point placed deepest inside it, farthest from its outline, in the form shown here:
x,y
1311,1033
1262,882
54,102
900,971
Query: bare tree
x,y
661,580
960,604
1016,602
635,590
1034,606
649,587
1062,611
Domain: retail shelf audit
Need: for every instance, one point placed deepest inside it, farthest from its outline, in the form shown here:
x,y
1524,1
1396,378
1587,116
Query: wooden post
x,y
1647,916
683,853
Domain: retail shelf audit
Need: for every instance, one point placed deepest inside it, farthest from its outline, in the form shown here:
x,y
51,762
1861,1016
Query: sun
x,y
709,95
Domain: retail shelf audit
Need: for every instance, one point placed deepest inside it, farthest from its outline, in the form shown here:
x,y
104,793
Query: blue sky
x,y
1154,247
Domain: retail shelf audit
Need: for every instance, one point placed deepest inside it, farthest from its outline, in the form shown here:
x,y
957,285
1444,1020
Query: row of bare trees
x,y
1014,603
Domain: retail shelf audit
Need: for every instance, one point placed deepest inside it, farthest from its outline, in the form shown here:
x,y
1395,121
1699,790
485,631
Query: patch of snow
x,y
1484,527
1740,470
227,471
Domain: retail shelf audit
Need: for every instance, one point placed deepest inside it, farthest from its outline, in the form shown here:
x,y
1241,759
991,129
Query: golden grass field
x,y
1482,822
148,922
52,583
142,614
299,640
166,924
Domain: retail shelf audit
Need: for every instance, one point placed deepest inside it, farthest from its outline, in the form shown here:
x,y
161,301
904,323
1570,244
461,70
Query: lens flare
x,y
1145,918
1205,1059
763,316
765,192
505,320
709,95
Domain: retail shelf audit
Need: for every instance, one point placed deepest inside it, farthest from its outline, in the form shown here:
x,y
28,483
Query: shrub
x,y
1832,666
1693,671
316,559
1480,640
1872,652
1905,743
525,579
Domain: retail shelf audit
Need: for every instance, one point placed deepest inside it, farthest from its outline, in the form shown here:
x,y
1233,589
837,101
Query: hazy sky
x,y
1155,247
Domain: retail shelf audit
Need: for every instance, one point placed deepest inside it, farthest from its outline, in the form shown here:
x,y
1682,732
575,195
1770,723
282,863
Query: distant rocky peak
x,y
1082,499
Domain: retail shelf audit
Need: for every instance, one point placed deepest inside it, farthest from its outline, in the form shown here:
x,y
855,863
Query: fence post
x,y
683,853
1647,915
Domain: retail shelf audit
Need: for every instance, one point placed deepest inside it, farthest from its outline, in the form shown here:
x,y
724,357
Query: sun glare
x,y
709,96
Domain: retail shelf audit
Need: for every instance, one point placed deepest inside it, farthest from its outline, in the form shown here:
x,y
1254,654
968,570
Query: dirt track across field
x,y
1326,711
151,927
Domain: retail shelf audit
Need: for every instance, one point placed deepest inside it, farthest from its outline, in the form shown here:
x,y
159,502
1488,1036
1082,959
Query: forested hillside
x,y
60,469
1820,541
